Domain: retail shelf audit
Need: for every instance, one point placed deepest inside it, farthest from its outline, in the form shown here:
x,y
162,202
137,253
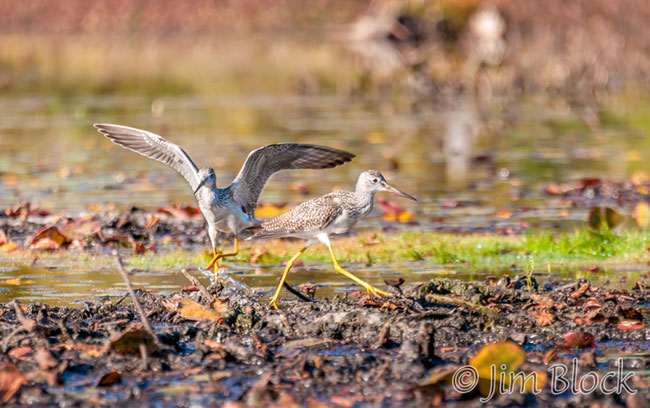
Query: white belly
x,y
226,219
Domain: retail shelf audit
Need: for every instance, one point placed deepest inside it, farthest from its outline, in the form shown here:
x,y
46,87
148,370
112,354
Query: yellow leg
x,y
369,287
274,299
219,254
214,260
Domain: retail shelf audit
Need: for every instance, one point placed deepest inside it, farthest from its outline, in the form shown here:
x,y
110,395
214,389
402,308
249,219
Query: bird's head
x,y
206,177
372,181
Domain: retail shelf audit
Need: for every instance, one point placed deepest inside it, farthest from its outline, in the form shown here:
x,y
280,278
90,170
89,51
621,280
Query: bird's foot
x,y
377,292
274,303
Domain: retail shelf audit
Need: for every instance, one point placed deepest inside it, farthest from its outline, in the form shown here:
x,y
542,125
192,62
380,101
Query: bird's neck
x,y
365,199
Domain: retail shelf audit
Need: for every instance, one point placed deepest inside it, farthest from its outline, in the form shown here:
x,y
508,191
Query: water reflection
x,y
462,128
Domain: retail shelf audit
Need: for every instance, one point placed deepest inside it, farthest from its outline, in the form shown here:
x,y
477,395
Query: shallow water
x,y
71,283
464,164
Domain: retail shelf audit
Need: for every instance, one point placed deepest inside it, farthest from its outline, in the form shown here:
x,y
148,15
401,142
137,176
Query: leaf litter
x,y
229,347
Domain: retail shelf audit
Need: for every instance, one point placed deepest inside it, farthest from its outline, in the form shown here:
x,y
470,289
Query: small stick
x,y
296,293
28,324
198,284
134,298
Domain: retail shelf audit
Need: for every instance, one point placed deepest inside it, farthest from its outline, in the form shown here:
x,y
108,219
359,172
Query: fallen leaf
x,y
505,357
581,290
504,214
52,233
576,340
613,218
3,238
543,317
110,378
594,269
595,218
46,244
183,212
192,310
9,247
641,214
630,325
266,210
543,302
19,352
18,281
11,378
129,341
591,303
81,228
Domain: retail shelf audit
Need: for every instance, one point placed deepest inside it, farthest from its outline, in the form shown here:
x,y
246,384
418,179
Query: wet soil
x,y
342,351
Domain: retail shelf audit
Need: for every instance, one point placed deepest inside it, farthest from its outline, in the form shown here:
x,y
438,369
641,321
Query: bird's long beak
x,y
399,192
200,185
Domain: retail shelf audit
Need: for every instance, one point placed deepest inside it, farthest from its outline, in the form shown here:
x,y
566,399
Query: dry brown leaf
x,y
591,303
543,302
129,341
19,352
630,325
192,310
504,214
3,238
81,228
46,244
11,378
9,247
110,378
543,317
581,290
51,233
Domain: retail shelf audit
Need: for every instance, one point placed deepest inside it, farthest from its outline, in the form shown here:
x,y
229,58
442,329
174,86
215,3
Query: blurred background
x,y
477,108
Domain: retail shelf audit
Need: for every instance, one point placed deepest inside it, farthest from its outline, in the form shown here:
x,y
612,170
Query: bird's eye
x,y
374,180
243,209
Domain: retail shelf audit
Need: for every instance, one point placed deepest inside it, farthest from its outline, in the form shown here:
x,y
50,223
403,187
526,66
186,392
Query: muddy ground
x,y
342,351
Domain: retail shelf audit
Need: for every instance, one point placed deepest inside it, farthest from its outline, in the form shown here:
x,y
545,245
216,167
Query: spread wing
x,y
154,147
263,162
313,215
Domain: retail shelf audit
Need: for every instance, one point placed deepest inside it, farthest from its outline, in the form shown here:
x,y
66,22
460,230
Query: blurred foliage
x,y
430,49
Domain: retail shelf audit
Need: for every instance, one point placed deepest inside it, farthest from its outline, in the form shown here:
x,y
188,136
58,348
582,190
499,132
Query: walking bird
x,y
334,213
229,209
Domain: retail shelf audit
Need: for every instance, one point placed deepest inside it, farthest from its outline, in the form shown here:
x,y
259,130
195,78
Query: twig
x,y
28,324
134,298
451,301
198,284
296,293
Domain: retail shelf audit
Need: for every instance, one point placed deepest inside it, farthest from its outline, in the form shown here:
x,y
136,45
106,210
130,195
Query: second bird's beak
x,y
396,191
200,185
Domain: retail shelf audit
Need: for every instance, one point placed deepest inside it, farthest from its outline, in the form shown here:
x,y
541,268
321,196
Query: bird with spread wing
x,y
231,209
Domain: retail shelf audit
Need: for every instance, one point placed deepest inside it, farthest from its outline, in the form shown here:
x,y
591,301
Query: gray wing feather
x,y
263,162
154,147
